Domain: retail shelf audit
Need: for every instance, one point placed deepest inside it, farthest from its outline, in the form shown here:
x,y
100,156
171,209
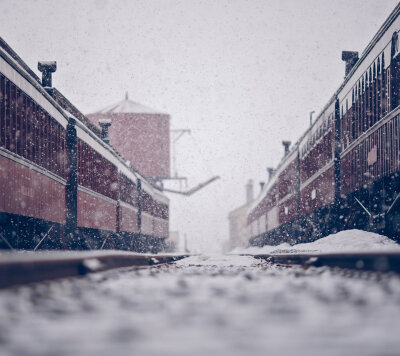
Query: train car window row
x,y
127,190
149,205
370,100
317,135
29,131
95,172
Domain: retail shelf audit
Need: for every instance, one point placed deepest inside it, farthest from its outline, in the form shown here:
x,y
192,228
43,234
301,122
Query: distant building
x,y
173,242
140,135
238,220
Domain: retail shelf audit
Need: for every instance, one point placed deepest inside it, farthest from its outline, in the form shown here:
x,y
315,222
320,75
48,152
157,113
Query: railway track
x,y
363,261
29,268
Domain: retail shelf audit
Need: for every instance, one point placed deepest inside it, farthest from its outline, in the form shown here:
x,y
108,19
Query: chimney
x,y
262,185
249,191
271,172
105,124
351,59
286,144
47,67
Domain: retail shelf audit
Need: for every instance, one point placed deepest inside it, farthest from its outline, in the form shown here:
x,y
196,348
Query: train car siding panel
x,y
288,180
95,212
317,157
161,228
29,193
127,190
147,224
376,156
95,172
319,193
288,210
128,219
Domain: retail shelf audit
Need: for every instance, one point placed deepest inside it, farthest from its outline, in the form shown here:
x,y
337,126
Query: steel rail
x,y
363,261
22,270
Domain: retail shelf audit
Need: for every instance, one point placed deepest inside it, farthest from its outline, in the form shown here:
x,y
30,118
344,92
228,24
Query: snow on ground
x,y
344,241
215,260
205,305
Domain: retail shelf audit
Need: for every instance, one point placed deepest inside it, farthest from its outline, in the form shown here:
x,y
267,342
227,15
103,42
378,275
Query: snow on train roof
x,y
127,106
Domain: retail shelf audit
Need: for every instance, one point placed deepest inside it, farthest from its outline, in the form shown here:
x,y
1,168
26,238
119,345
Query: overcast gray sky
x,y
242,75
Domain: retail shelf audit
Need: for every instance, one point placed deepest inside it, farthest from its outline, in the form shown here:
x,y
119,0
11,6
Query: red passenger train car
x,y
61,185
344,171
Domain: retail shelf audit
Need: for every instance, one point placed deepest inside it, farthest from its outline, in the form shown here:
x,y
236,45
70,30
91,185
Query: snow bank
x,y
344,241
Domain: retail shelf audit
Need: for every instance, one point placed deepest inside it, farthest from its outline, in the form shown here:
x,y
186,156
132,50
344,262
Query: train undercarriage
x,y
374,208
21,232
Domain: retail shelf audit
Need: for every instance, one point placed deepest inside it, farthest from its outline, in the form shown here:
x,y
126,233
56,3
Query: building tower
x,y
140,134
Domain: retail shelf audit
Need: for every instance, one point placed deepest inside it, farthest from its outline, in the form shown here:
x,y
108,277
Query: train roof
x,y
4,45
382,30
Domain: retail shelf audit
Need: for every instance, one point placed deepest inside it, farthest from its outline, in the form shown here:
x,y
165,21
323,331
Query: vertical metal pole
x,y
298,183
139,195
336,172
71,189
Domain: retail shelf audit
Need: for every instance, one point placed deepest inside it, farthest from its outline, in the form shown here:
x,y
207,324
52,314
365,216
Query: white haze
x,y
242,75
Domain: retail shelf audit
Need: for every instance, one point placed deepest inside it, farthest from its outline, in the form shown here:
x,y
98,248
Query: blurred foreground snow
x,y
205,305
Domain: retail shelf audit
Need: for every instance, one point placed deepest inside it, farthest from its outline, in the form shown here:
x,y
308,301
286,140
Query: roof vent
x,y
47,68
351,59
271,172
286,144
105,124
249,191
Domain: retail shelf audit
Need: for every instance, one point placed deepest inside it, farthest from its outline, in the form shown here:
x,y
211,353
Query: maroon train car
x,y
348,160
61,185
